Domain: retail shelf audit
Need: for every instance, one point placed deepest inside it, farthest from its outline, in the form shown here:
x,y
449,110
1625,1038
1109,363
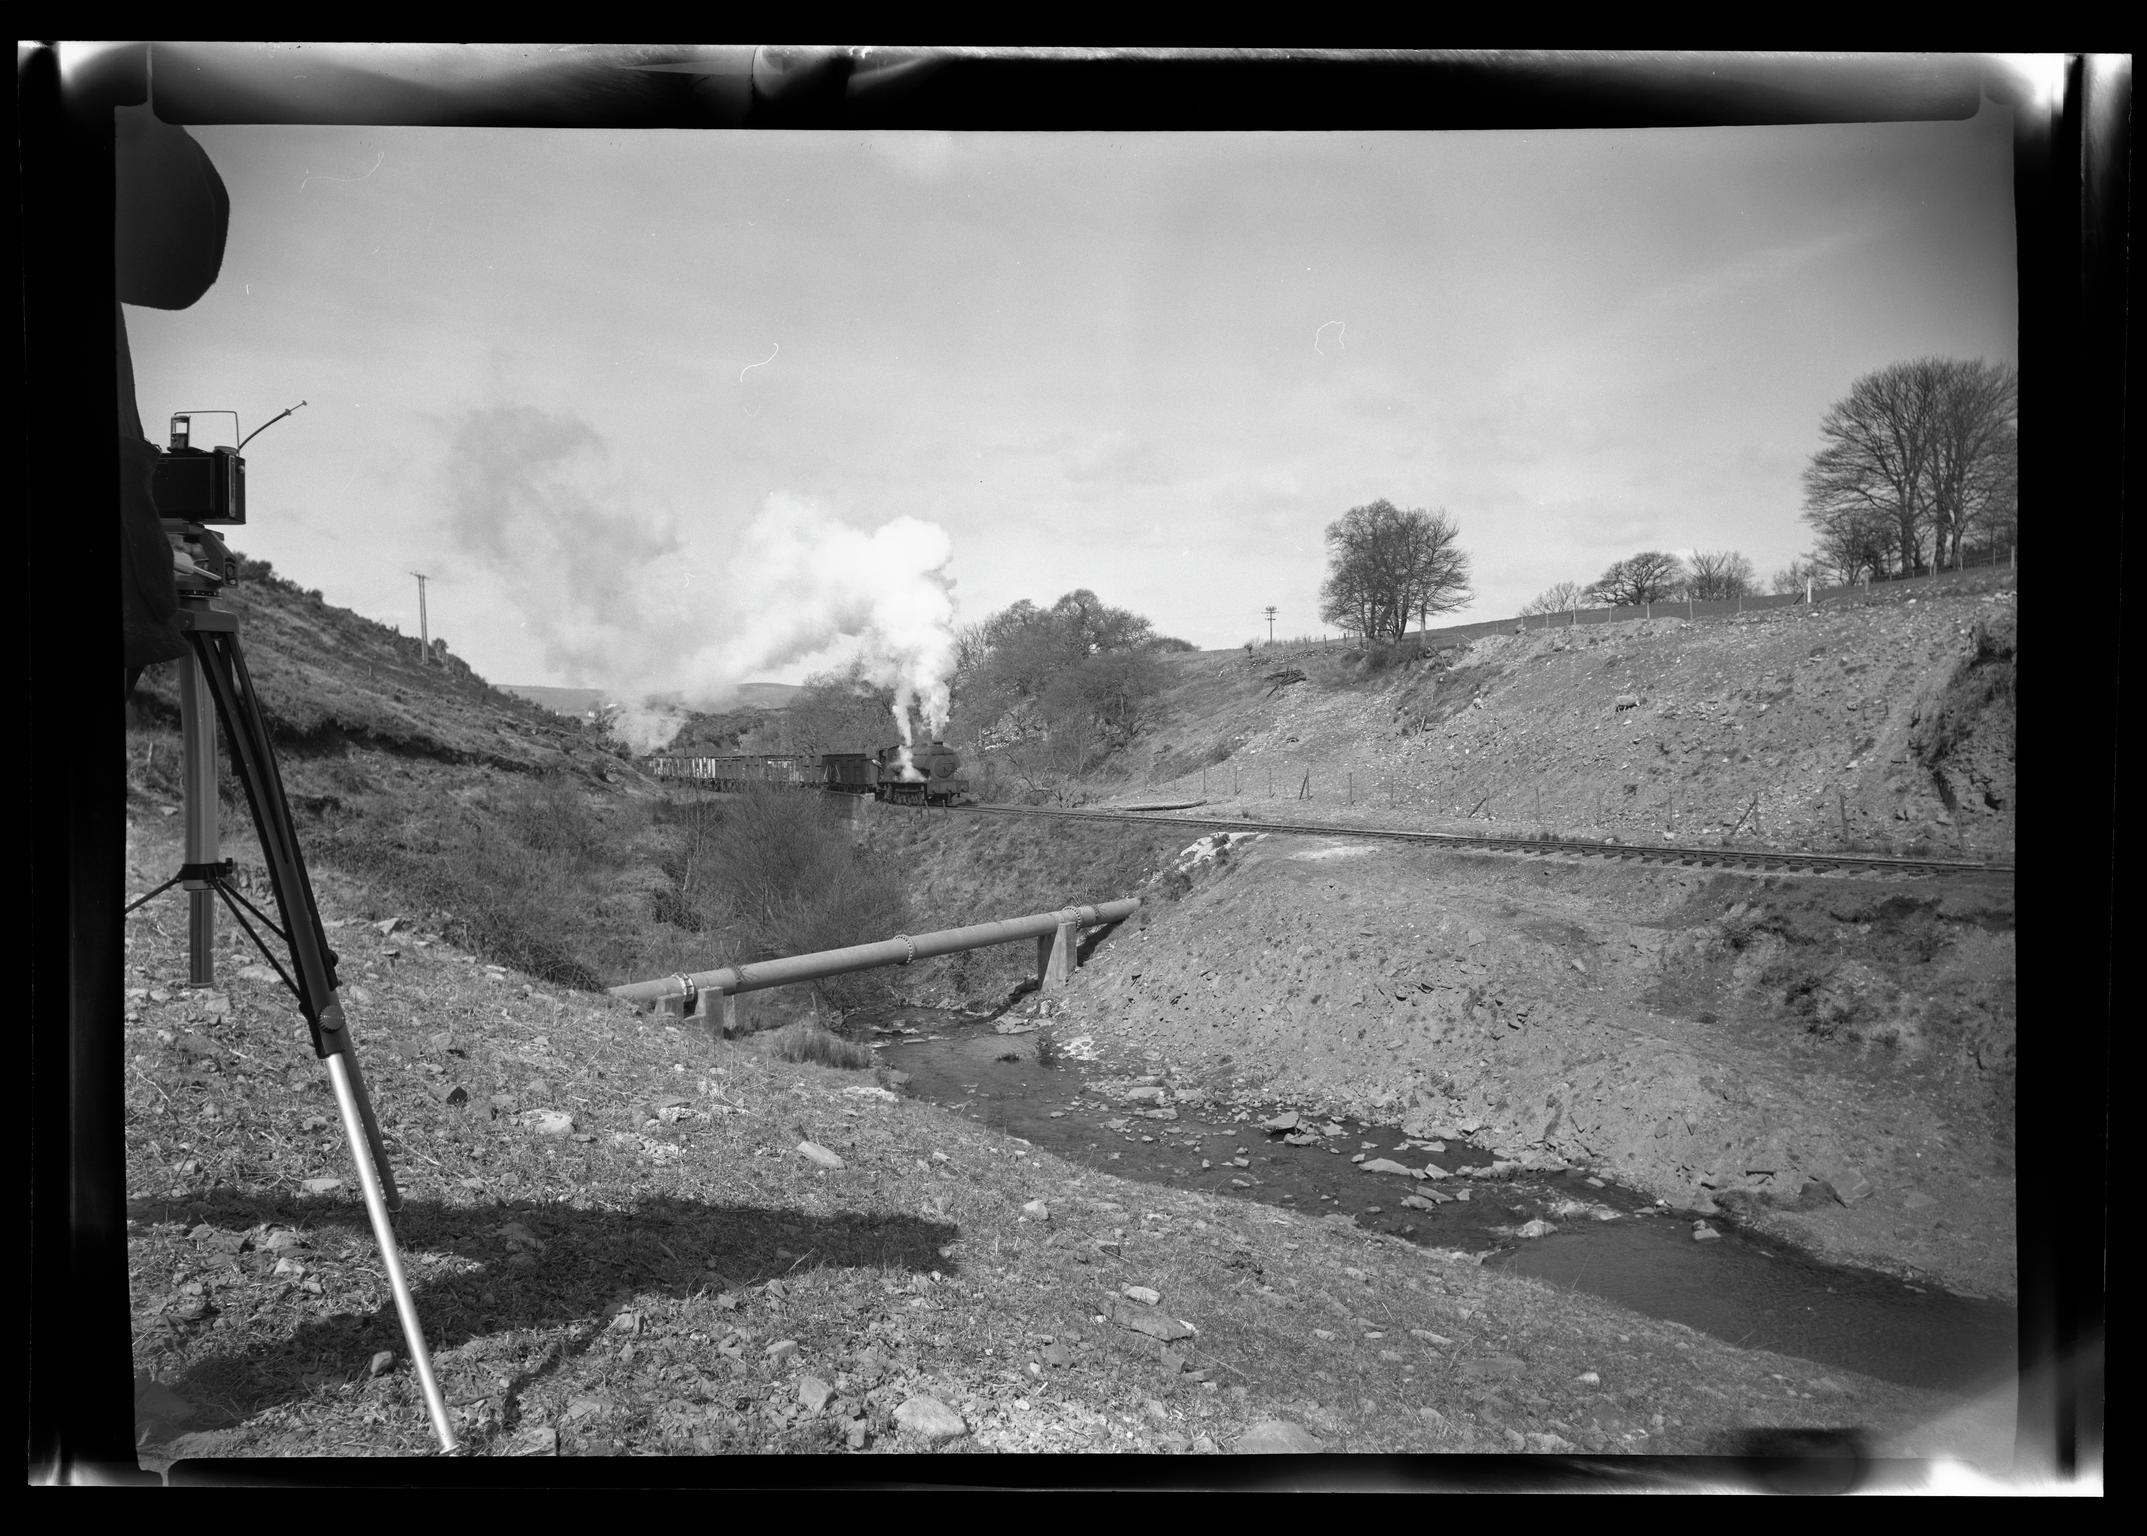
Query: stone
x,y
552,1122
1388,1165
813,1393
1537,1228
1036,1210
930,1419
781,1349
819,1154
381,1363
1282,1122
321,1186
1141,1294
540,1441
1277,1437
1849,1184
1145,1095
1703,1233
1155,1325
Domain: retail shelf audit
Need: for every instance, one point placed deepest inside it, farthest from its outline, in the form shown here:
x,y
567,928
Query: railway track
x,y
1567,847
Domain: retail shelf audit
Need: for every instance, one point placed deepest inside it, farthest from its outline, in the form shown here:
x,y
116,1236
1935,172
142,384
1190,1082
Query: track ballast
x,y
1770,859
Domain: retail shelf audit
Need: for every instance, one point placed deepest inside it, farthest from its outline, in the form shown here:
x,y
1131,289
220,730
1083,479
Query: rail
x,y
1570,847
709,994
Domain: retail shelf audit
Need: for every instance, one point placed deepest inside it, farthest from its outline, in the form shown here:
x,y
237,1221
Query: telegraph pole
x,y
424,635
1270,623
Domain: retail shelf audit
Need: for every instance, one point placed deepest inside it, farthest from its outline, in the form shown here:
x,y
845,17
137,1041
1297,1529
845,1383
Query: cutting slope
x,y
1884,724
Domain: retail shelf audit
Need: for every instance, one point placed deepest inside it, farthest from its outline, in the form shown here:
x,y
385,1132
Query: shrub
x,y
806,1041
798,885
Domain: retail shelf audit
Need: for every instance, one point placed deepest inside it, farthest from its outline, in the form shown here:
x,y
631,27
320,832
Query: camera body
x,y
196,486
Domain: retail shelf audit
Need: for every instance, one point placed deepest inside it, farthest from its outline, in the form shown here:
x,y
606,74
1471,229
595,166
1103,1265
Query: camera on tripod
x,y
195,485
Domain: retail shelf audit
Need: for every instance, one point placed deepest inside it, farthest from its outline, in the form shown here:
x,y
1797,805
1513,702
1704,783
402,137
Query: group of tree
x,y
1065,684
1653,576
1920,461
1386,566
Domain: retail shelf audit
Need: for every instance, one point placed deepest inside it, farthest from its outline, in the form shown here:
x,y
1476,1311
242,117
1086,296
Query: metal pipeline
x,y
899,950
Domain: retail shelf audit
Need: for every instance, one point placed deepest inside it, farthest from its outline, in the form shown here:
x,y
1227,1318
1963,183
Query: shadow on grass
x,y
545,1267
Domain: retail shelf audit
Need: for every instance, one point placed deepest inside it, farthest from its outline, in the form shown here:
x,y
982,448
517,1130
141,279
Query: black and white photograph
x,y
852,753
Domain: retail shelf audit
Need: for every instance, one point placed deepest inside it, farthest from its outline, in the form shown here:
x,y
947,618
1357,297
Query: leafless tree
x,y
1385,566
1719,574
1795,576
1648,577
1563,597
1912,455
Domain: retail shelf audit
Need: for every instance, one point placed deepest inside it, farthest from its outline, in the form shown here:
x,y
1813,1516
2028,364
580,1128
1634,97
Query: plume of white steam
x,y
622,603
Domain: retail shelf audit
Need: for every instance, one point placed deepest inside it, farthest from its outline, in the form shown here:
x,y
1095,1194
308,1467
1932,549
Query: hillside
x,y
486,866
1881,723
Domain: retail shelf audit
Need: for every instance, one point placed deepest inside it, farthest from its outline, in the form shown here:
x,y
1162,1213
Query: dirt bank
x,y
1829,1058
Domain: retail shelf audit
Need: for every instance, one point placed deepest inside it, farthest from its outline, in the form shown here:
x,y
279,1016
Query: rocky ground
x,y
1627,1019
625,1238
1882,724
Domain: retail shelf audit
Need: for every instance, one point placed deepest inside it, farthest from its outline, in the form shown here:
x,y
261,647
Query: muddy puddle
x,y
1615,1243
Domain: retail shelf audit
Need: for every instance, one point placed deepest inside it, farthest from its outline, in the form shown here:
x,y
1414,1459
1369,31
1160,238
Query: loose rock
x,y
930,1419
1277,1437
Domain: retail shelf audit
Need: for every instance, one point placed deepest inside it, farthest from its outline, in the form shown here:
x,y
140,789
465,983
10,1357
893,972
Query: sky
x,y
662,411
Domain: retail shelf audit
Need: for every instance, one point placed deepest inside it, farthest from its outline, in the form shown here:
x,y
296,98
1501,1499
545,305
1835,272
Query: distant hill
x,y
579,701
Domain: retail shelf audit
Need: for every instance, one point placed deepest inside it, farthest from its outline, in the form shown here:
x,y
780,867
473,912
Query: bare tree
x,y
1910,456
1648,577
1719,574
1386,565
1974,453
1563,597
1795,576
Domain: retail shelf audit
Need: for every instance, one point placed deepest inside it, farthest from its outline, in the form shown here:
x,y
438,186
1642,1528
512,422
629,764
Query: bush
x,y
805,1041
798,885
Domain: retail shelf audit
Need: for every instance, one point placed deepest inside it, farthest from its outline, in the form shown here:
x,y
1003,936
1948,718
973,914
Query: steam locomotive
x,y
932,777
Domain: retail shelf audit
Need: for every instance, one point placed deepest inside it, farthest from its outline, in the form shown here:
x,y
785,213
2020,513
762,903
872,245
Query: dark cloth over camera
x,y
170,218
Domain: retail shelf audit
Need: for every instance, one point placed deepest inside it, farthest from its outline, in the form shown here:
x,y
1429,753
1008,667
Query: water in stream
x,y
1610,1242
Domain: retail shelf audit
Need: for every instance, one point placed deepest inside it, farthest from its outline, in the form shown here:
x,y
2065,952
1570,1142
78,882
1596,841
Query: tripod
x,y
217,664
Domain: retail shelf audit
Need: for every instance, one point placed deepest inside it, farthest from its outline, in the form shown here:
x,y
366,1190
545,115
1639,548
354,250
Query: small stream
x,y
1609,1241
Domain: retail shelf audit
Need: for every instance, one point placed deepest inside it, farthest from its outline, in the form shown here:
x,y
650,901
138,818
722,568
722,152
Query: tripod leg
x,y
215,642
254,759
340,1073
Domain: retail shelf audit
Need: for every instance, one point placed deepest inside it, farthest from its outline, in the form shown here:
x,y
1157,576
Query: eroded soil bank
x,y
1831,1059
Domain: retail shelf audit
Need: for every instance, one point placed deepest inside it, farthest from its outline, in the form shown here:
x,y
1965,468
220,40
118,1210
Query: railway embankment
x,y
1881,724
